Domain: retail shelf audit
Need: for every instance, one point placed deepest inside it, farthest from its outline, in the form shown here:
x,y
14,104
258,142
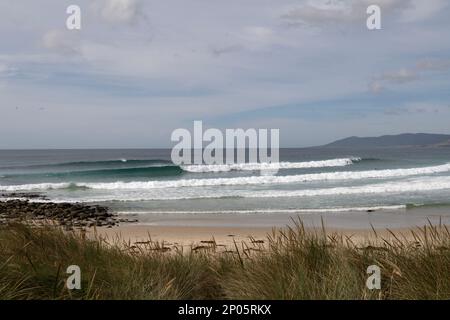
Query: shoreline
x,y
222,229
378,219
226,230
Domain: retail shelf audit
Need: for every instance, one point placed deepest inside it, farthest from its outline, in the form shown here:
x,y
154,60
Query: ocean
x,y
310,181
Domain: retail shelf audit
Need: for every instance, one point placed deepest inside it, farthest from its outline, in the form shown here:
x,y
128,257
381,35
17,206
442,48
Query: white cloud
x,y
62,41
400,76
419,108
320,13
119,11
3,68
375,86
422,10
218,51
434,65
257,37
212,59
259,34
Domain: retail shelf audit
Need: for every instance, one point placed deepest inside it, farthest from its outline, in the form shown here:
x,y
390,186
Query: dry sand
x,y
226,237
226,230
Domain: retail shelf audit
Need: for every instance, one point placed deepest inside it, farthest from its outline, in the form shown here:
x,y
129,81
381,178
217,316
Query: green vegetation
x,y
291,264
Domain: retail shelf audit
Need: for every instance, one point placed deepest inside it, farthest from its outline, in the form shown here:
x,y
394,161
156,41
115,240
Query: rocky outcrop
x,y
66,214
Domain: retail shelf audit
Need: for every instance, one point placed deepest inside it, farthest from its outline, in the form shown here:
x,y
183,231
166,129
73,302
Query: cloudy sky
x,y
137,70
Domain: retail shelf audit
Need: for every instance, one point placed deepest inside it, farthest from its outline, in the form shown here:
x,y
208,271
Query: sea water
x,y
308,181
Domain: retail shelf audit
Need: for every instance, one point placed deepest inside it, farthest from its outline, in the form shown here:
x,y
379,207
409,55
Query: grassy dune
x,y
292,264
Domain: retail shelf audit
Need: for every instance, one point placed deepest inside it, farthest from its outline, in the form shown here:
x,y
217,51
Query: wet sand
x,y
226,229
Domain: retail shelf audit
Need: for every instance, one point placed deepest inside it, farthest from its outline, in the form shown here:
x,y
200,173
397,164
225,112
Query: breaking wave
x,y
270,166
253,180
269,211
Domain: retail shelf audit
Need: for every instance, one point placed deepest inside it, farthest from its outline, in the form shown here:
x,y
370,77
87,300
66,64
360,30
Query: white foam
x,y
253,180
442,183
35,186
270,166
269,211
419,185
258,180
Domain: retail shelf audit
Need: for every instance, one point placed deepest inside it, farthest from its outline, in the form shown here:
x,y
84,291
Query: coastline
x,y
167,259
225,230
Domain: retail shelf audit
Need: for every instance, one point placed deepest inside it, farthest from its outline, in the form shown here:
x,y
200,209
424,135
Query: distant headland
x,y
399,140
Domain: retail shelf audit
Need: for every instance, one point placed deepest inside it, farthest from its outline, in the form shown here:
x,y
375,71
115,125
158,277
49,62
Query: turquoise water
x,y
310,180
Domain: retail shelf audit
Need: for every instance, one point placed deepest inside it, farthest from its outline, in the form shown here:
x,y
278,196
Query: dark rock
x,y
66,214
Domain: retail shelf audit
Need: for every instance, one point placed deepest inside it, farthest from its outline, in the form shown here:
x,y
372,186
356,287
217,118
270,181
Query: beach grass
x,y
292,263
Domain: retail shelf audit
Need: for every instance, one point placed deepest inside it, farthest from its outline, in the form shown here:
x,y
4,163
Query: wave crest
x,y
270,166
253,180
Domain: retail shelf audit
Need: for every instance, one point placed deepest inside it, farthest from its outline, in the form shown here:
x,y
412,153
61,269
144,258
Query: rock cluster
x,y
67,214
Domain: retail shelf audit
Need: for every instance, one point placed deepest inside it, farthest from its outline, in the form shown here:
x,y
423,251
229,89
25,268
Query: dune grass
x,y
292,264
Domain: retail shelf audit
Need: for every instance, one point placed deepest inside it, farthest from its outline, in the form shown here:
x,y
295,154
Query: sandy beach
x,y
226,230
227,237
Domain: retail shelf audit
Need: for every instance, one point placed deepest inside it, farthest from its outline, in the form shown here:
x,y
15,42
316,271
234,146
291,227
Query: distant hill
x,y
400,140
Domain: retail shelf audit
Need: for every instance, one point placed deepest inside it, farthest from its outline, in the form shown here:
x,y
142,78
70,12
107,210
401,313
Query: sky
x,y
137,70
